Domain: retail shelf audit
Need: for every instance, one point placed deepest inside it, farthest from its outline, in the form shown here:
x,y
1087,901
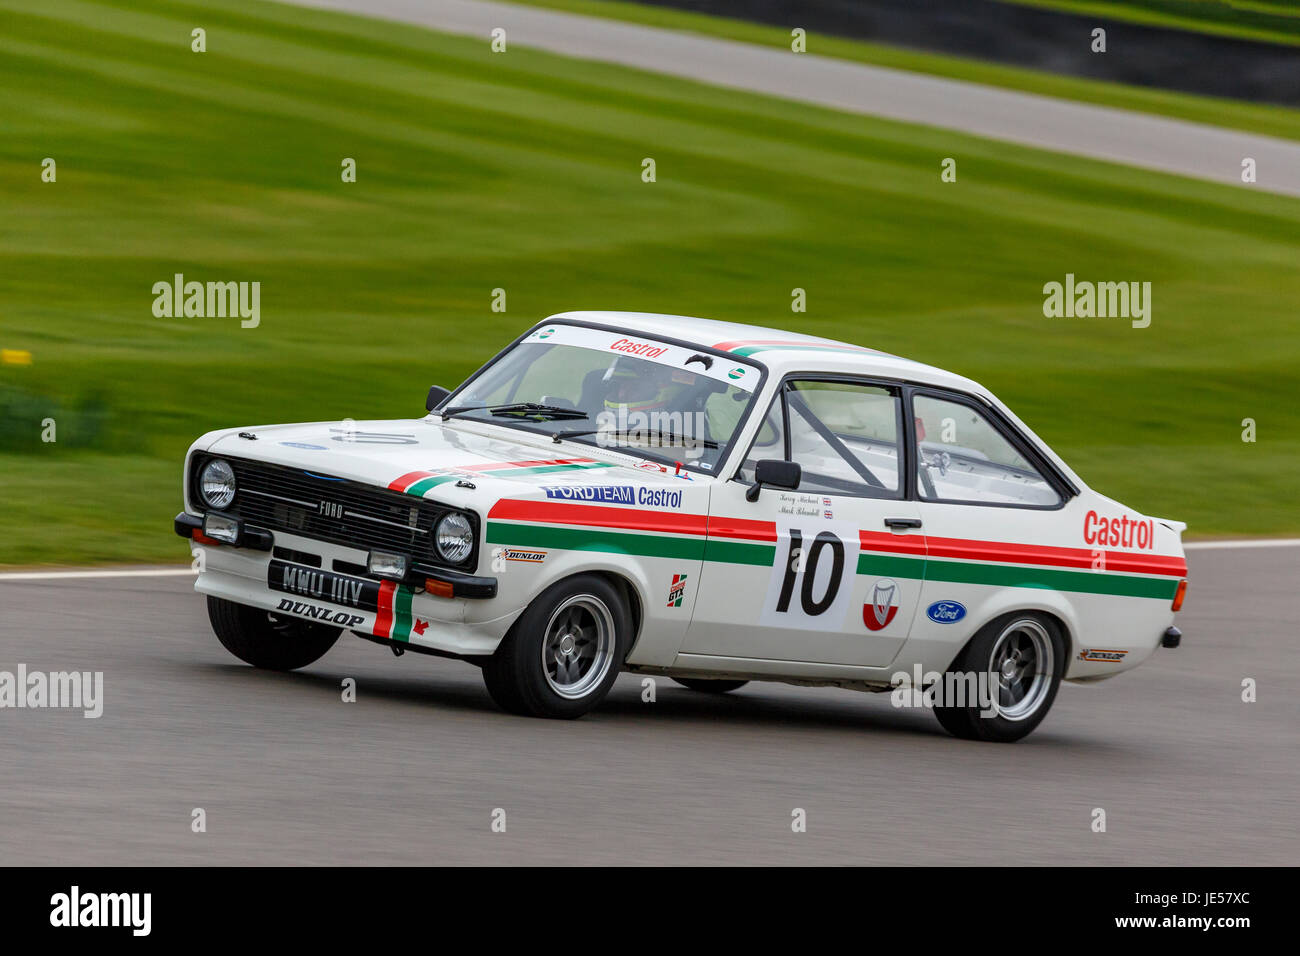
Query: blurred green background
x,y
521,171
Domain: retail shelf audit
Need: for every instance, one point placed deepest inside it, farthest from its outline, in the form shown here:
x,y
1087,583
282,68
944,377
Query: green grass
x,y
1252,117
1273,21
522,171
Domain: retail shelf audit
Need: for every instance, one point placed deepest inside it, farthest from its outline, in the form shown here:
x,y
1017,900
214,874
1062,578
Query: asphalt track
x,y
411,772
1121,136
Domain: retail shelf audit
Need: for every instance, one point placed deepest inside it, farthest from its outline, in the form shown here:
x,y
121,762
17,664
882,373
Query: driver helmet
x,y
644,386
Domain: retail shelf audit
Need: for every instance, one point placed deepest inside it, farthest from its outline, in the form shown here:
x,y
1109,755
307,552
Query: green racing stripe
x,y
762,554
402,614
595,539
1016,576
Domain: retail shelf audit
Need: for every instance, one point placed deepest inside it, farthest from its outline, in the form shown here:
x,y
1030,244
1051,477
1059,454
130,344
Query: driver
x,y
632,385
649,403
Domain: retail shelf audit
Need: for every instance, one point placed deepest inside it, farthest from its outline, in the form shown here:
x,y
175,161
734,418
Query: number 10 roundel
x,y
812,579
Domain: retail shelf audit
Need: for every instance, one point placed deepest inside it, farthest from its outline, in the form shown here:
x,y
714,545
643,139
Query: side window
x,y
844,437
962,456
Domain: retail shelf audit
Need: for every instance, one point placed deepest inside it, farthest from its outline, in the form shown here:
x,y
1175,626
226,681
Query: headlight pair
x,y
453,535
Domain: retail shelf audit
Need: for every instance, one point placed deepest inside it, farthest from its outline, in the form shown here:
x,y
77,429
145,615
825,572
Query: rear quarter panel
x,y
1113,602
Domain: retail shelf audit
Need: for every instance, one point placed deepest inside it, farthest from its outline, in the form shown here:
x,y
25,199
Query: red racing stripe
x,y
493,465
411,477
560,512
741,343
408,479
724,527
1013,553
1059,557
384,617
893,543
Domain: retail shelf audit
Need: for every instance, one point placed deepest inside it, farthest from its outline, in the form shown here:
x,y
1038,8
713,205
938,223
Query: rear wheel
x,y
564,653
710,686
270,641
1019,658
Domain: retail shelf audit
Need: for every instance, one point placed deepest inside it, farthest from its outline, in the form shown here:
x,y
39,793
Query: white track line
x,y
57,575
1260,543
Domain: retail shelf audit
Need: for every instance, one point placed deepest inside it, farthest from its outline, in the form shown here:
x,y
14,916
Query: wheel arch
x,y
1063,618
632,594
621,581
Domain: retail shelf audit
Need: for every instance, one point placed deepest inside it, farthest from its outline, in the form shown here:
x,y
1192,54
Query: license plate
x,y
323,585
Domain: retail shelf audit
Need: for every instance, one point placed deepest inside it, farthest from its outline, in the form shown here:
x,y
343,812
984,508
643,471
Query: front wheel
x,y
564,653
1017,662
270,641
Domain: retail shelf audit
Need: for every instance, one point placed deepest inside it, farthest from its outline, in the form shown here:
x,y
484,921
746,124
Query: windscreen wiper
x,y
666,441
528,409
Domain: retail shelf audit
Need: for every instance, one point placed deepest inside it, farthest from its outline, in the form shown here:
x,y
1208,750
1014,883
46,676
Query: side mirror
x,y
436,394
774,472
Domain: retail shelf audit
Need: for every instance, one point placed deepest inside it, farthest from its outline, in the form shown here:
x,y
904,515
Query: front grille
x,y
333,509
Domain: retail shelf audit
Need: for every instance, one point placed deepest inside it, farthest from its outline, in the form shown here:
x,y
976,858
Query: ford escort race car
x,y
711,502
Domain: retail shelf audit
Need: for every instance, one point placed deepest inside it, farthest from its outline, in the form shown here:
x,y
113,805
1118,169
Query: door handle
x,y
902,523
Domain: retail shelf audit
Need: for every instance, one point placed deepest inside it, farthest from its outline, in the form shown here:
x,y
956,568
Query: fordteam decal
x,y
616,494
945,612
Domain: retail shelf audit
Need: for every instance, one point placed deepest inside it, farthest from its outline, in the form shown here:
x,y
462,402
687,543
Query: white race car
x,y
711,502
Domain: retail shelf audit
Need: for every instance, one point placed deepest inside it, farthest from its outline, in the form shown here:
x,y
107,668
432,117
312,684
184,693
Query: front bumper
x,y
281,582
456,584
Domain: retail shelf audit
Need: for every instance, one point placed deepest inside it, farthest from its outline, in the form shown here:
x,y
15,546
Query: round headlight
x,y
217,484
454,538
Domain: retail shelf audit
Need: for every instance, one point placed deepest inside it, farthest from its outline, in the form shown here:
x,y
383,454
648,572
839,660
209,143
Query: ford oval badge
x,y
945,612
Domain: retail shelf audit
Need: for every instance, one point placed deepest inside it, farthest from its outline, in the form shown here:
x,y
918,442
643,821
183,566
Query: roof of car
x,y
779,350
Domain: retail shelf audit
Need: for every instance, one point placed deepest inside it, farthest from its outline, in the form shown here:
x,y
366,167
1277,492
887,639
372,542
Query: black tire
x,y
709,686
1036,642
501,688
956,720
270,641
575,675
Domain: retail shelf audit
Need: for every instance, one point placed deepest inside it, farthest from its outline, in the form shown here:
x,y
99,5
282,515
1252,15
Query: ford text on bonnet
x,y
710,502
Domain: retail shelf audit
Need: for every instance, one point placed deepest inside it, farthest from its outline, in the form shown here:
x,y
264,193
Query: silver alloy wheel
x,y
1021,667
578,647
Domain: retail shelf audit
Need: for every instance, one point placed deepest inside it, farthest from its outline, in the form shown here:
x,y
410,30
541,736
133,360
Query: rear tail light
x,y
1180,594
